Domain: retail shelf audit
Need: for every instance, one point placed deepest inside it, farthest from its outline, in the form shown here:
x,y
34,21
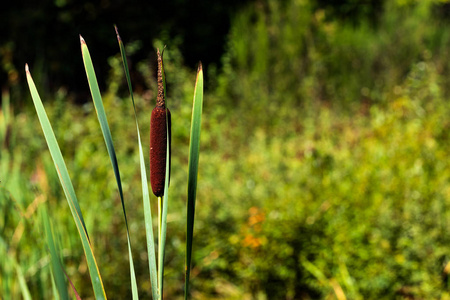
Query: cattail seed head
x,y
160,126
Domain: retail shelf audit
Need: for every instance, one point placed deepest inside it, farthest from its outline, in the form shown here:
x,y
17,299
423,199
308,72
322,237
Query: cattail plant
x,y
160,143
160,129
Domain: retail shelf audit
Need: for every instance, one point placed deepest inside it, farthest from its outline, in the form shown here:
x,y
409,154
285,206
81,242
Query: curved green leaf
x,y
97,98
66,183
145,193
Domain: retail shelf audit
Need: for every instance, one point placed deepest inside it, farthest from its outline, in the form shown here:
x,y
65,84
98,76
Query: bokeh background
x,y
324,167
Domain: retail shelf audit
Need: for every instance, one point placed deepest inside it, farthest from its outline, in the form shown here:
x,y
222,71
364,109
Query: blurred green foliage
x,y
324,169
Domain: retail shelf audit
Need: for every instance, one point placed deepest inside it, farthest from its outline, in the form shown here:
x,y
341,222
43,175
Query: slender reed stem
x,y
160,244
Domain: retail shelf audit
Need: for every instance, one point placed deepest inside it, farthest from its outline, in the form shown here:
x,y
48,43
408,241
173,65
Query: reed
x,y
160,149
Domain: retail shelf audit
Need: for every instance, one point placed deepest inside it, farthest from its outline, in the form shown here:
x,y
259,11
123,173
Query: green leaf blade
x,y
99,108
164,217
145,194
194,154
66,183
58,274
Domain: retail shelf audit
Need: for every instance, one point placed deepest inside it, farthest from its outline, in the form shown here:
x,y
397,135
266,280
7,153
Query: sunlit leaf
x,y
145,193
69,191
194,153
96,97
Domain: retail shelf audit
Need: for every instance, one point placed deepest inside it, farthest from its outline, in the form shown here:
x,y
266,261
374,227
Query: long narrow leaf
x,y
194,153
145,193
22,283
57,266
66,183
96,97
54,289
58,274
164,217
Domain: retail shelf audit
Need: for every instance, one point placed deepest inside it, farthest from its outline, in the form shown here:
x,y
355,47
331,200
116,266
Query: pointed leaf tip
x,y
82,41
200,67
27,69
117,33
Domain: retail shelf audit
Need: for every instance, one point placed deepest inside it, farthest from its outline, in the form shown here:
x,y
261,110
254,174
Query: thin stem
x,y
159,245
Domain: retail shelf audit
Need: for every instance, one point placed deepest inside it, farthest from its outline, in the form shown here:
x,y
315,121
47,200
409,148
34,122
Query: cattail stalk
x,y
159,127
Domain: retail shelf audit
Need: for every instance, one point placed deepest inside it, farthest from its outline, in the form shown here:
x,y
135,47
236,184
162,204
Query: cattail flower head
x,y
160,127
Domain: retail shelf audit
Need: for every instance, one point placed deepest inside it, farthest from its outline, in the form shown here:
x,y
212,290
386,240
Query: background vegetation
x,y
324,170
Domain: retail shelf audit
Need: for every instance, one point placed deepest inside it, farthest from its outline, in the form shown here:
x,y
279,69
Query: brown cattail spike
x,y
159,128
160,101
